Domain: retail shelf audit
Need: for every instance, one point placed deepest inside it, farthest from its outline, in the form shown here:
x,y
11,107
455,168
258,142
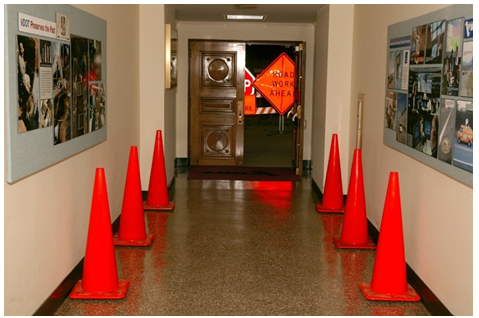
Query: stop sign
x,y
276,83
248,82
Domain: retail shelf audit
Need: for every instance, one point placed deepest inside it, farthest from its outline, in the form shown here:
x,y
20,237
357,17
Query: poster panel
x,y
429,115
51,110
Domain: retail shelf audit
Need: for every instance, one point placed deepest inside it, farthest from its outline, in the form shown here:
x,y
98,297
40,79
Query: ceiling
x,y
275,13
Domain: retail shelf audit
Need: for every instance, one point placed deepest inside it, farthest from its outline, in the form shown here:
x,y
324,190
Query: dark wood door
x,y
298,109
216,103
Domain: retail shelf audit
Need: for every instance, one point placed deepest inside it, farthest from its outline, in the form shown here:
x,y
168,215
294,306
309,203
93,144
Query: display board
x,y
55,85
429,90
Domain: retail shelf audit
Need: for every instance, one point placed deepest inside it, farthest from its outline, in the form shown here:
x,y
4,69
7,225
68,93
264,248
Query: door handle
x,y
240,112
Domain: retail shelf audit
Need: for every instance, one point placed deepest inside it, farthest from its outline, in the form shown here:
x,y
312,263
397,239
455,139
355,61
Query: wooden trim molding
x,y
428,298
56,299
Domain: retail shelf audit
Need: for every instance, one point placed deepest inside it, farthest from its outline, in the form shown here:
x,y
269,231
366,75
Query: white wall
x,y
46,215
437,211
319,151
240,32
157,105
332,89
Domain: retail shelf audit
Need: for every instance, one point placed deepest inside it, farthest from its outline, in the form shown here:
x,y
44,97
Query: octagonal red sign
x,y
276,83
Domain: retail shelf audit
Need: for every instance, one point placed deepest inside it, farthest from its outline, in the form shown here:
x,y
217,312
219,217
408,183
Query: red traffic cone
x,y
333,187
158,190
132,221
354,233
100,277
389,273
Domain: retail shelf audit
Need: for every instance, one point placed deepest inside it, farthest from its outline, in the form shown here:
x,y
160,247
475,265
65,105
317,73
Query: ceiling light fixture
x,y
244,17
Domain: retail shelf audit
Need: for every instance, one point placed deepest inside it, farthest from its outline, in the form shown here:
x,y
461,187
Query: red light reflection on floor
x,y
278,195
272,185
157,224
332,228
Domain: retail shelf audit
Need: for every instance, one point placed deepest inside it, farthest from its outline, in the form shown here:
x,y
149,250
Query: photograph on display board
x,y
398,65
94,73
418,44
46,113
401,125
390,111
452,57
435,42
79,56
447,122
466,87
423,107
395,70
28,83
463,147
63,27
391,69
46,84
62,92
96,111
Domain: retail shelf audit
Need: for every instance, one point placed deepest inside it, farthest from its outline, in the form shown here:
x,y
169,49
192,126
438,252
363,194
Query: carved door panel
x,y
216,103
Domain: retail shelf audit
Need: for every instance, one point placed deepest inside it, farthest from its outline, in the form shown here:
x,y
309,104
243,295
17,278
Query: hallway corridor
x,y
242,248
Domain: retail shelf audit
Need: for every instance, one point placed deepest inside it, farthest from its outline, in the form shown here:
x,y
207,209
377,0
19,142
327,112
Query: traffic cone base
x,y
320,208
146,242
169,207
79,293
410,295
370,245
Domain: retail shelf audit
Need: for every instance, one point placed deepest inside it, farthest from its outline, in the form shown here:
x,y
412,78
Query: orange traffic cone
x,y
132,221
100,277
354,233
333,187
389,273
158,190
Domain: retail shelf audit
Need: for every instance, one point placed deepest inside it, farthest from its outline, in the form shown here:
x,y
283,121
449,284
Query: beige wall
x,y
332,89
319,151
241,32
46,215
157,111
436,210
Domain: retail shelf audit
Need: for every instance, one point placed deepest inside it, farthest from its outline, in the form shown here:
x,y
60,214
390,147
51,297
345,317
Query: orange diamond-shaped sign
x,y
276,83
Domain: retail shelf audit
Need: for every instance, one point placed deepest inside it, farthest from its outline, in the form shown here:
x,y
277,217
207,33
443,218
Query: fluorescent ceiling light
x,y
244,17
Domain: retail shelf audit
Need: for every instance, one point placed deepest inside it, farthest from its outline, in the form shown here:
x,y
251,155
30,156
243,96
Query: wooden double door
x,y
216,115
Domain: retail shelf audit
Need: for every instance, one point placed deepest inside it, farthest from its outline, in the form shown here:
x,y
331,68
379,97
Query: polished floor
x,y
266,143
242,248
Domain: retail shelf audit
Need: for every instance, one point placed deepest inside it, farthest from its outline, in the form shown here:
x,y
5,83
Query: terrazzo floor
x,y
242,248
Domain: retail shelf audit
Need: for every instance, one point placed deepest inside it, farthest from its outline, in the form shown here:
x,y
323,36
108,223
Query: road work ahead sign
x,y
276,83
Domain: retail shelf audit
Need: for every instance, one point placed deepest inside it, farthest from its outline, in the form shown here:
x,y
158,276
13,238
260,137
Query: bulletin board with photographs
x,y
55,85
429,91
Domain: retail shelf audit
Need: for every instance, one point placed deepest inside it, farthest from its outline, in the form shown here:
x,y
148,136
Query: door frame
x,y
252,42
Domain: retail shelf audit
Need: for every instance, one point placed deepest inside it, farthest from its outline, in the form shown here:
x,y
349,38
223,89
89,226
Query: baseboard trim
x,y
307,165
429,300
56,299
319,194
182,162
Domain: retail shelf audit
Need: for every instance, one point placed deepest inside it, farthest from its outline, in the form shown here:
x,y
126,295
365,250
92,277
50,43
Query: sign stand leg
x,y
280,127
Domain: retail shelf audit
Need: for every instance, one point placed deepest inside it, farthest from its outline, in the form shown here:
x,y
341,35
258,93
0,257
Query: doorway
x,y
268,137
219,131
